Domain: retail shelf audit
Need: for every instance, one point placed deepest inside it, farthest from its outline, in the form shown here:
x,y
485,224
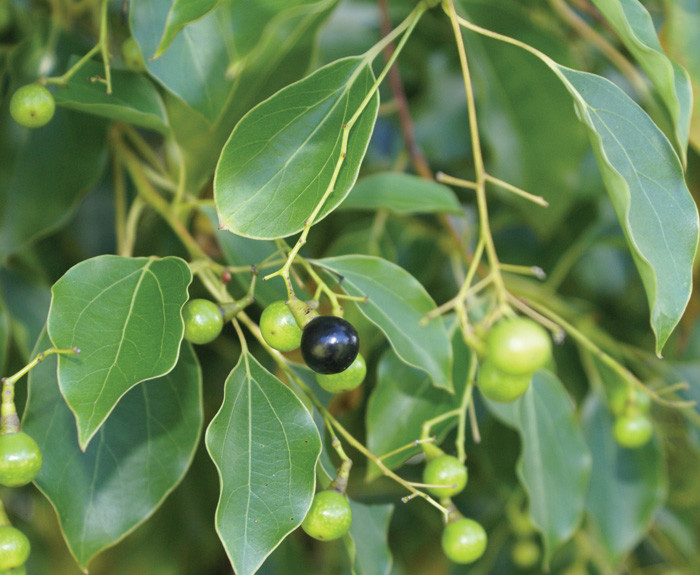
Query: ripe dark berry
x,y
329,344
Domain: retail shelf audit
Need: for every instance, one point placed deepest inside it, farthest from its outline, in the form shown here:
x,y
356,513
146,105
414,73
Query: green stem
x,y
63,79
104,44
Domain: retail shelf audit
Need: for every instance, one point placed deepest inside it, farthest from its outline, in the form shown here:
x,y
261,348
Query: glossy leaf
x,y
396,303
367,542
134,99
194,66
681,37
554,465
644,179
627,485
281,156
632,22
139,456
265,445
37,192
124,316
402,194
181,13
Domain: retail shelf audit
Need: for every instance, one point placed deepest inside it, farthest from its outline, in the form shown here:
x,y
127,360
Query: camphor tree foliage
x,y
349,286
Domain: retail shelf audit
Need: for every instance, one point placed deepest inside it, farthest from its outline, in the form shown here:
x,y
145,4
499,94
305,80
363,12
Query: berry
x,y
525,554
345,380
463,541
329,516
447,471
21,570
203,321
20,459
329,344
623,398
498,385
132,56
633,430
14,548
518,346
32,106
279,328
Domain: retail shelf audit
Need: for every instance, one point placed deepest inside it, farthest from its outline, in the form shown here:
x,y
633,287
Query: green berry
x,y
21,570
518,346
345,380
279,328
525,554
463,541
14,548
32,106
132,56
20,459
633,430
447,471
203,321
498,385
329,516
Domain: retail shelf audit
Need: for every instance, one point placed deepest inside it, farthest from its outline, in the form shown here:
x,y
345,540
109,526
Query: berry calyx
x,y
329,344
633,430
346,380
279,328
463,541
446,471
203,321
20,459
132,56
498,385
518,346
14,548
32,106
329,516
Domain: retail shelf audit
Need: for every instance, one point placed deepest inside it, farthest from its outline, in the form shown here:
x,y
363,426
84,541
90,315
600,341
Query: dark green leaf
x,y
124,316
554,466
134,99
646,185
627,485
367,540
265,446
194,66
43,174
139,456
403,194
280,158
630,19
681,35
181,13
397,302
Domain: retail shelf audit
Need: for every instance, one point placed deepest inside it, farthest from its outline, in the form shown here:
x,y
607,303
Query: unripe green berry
x,y
203,321
329,516
132,56
279,328
447,471
518,346
633,430
32,106
14,548
500,386
525,554
20,459
464,541
346,380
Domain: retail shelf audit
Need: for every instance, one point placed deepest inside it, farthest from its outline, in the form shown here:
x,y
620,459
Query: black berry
x,y
329,344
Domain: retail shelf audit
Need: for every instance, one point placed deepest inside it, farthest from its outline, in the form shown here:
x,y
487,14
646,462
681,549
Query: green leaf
x,y
402,194
681,35
396,303
264,445
139,456
37,191
627,485
367,542
134,99
403,398
280,158
630,19
645,182
124,316
181,13
554,466
194,66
